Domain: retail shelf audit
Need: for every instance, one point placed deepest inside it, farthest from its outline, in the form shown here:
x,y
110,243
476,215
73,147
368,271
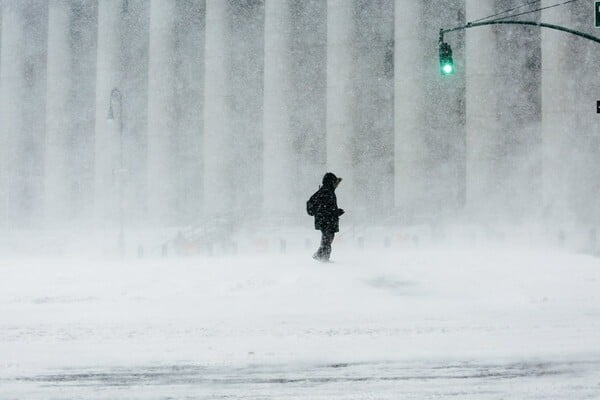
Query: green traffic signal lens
x,y
446,62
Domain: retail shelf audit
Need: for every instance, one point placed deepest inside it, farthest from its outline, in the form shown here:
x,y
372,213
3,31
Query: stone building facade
x,y
236,108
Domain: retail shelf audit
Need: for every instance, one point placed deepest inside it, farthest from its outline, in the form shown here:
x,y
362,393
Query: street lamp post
x,y
116,94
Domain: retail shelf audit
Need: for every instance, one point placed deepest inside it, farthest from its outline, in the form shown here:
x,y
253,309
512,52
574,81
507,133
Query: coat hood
x,y
330,180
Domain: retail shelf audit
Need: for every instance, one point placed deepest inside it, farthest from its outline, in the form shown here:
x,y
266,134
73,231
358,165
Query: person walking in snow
x,y
323,206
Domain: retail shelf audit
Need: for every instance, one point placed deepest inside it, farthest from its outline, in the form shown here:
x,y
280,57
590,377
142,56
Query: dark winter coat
x,y
326,212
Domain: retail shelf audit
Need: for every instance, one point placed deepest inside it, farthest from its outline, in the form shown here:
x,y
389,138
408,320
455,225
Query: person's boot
x,y
324,258
326,255
318,254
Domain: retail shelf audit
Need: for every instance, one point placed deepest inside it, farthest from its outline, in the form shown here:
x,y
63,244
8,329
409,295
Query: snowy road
x,y
435,323
533,380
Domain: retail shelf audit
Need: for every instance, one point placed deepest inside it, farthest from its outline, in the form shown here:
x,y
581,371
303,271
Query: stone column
x,y
558,113
190,96
279,167
483,185
218,144
59,117
517,180
108,76
410,149
585,136
310,104
23,89
569,140
84,14
373,117
12,94
136,34
162,117
340,95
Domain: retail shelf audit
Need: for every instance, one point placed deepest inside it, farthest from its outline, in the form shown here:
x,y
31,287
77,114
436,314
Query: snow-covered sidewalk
x,y
420,322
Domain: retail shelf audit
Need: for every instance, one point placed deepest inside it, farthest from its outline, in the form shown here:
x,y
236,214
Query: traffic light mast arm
x,y
532,23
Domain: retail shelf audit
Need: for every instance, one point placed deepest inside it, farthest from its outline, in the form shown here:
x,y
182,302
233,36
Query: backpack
x,y
311,205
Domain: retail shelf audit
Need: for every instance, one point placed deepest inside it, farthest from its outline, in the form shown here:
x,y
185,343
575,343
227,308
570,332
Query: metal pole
x,y
531,23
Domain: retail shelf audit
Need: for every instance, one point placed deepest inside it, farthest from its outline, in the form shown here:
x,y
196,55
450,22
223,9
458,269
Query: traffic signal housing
x,y
446,61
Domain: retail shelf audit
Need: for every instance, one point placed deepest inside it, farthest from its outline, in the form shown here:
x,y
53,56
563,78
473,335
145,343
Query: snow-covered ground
x,y
428,322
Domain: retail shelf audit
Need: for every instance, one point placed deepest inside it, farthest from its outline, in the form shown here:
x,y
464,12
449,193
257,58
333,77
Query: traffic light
x,y
446,62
